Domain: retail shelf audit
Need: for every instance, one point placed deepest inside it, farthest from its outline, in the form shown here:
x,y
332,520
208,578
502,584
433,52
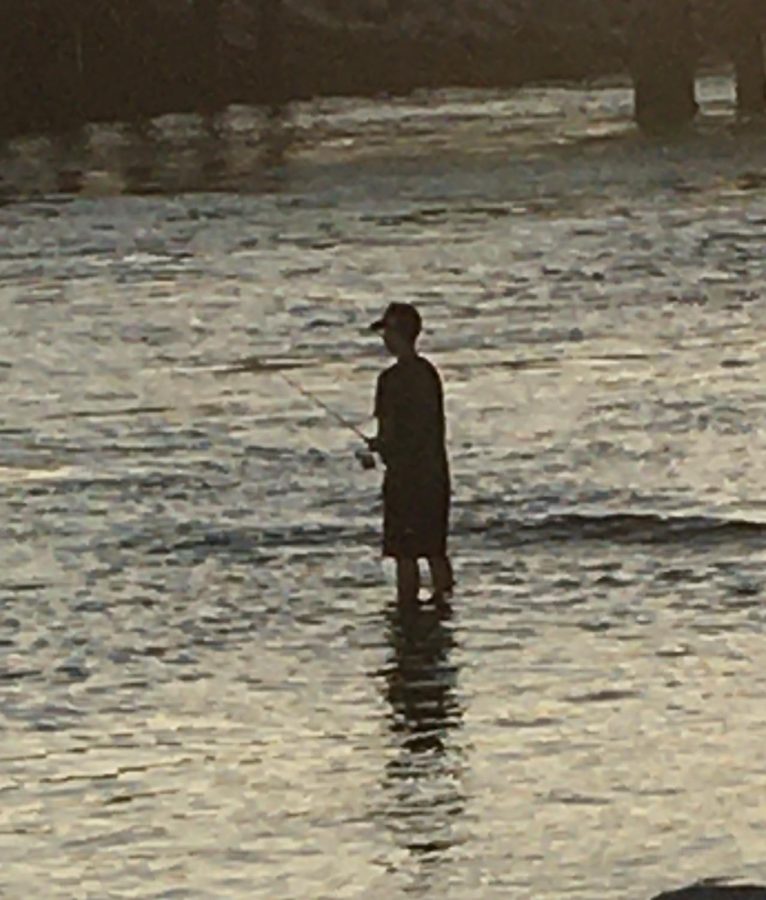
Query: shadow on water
x,y
422,781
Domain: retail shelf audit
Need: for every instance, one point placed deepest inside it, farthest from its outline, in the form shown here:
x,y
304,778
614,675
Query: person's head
x,y
400,326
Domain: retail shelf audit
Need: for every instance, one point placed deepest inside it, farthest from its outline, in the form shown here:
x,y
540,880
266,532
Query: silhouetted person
x,y
276,137
409,407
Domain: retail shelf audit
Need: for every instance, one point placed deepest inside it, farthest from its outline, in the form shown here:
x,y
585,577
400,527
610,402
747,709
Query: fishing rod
x,y
367,459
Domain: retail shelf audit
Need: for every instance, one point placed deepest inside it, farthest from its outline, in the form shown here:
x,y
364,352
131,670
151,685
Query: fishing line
x,y
319,402
364,456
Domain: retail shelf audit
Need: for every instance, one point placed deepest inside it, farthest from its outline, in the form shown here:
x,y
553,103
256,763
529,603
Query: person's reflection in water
x,y
140,158
68,155
276,137
425,799
212,152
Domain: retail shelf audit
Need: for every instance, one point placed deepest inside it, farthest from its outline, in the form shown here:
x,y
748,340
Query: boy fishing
x,y
409,408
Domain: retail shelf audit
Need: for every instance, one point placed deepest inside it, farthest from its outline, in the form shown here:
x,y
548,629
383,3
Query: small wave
x,y
258,545
12,474
76,479
200,540
640,528
605,696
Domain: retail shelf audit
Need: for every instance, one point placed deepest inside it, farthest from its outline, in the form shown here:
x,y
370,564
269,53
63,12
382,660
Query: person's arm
x,y
441,423
383,438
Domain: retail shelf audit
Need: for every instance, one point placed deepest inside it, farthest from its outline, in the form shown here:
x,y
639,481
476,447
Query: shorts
x,y
416,515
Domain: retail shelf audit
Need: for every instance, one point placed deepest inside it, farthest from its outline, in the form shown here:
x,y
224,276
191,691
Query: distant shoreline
x,y
58,73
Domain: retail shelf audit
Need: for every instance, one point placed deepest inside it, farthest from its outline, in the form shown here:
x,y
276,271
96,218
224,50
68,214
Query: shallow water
x,y
205,690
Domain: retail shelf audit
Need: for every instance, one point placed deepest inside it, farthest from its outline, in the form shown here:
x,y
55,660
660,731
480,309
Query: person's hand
x,y
365,457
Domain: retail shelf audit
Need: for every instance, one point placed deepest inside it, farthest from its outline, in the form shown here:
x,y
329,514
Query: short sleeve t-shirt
x,y
409,398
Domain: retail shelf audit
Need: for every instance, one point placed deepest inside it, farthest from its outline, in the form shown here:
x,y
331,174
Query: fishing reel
x,y
366,459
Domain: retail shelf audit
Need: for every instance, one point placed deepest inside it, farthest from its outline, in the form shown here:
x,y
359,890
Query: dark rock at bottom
x,y
711,890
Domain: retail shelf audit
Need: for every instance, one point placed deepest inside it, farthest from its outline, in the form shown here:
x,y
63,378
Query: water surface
x,y
204,688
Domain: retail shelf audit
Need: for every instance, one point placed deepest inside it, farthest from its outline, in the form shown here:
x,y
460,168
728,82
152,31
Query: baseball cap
x,y
402,317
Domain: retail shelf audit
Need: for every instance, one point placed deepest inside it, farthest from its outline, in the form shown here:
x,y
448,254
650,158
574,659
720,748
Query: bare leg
x,y
442,578
407,580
